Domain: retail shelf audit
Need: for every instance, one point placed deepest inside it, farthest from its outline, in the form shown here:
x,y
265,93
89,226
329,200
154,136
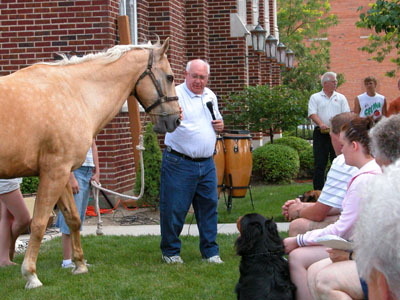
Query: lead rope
x,y
97,187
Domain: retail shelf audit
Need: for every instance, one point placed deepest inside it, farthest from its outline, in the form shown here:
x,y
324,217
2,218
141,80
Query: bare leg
x,y
299,261
67,248
312,273
302,225
14,221
338,281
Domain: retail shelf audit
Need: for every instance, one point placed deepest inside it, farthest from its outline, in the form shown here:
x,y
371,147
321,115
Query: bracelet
x,y
351,255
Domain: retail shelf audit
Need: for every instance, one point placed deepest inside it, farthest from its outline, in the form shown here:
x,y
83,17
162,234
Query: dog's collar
x,y
267,253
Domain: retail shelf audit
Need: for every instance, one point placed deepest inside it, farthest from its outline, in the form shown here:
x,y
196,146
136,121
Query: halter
x,y
161,97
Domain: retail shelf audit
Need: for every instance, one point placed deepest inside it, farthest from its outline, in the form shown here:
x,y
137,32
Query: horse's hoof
x,y
33,282
80,269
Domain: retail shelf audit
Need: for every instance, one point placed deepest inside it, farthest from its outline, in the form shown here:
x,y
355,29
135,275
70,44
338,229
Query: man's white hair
x,y
327,76
377,231
385,138
203,61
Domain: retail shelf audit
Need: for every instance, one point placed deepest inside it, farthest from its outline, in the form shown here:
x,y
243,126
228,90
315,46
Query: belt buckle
x,y
169,149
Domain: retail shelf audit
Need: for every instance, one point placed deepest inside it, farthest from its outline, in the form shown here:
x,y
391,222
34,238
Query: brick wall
x,y
35,30
353,63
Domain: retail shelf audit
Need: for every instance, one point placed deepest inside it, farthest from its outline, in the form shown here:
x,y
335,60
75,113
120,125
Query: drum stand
x,y
231,188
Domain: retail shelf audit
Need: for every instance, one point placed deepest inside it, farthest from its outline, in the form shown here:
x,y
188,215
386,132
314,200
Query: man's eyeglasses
x,y
196,76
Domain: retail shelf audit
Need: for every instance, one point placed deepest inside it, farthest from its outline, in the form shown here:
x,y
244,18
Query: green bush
x,y
306,163
152,157
275,163
296,143
305,135
29,185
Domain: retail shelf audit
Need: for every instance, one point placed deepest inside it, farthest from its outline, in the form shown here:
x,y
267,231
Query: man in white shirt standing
x,y
188,174
322,107
370,103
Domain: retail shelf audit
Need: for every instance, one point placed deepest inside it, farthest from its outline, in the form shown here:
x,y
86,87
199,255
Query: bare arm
x,y
357,107
384,108
315,212
318,121
96,171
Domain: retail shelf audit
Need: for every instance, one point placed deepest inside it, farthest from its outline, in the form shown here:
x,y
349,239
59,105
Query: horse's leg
x,y
51,185
71,216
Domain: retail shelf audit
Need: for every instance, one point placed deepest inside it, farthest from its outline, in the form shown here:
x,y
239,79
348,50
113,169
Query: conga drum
x,y
238,162
219,160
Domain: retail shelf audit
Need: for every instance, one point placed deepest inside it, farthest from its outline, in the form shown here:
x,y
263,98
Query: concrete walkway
x,y
134,230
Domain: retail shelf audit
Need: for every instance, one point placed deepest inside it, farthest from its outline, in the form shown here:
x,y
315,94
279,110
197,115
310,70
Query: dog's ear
x,y
250,233
273,241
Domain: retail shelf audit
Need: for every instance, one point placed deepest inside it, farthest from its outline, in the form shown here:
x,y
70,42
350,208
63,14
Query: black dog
x,y
264,273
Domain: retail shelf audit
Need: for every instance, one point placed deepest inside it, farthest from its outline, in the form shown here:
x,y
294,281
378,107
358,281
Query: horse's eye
x,y
170,78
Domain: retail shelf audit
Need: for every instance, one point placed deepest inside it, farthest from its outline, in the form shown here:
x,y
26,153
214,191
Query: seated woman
x,y
303,250
340,279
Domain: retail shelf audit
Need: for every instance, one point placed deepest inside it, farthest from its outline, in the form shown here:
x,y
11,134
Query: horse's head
x,y
155,90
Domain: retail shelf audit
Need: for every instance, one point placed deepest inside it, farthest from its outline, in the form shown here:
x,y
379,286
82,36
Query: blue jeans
x,y
184,182
83,176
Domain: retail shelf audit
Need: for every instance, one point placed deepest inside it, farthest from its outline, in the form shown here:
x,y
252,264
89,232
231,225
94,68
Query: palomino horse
x,y
50,113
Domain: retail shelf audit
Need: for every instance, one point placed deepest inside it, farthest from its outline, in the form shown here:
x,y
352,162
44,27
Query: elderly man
x,y
323,106
188,174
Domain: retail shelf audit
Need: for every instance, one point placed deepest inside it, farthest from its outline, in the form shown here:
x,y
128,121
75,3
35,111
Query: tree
x,y
264,108
302,28
384,18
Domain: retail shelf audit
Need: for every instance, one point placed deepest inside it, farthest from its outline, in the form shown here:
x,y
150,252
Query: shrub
x,y
152,157
29,185
296,143
275,163
306,163
307,134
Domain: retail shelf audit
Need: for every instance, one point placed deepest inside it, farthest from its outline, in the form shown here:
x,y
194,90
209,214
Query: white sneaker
x,y
72,265
68,266
176,259
214,260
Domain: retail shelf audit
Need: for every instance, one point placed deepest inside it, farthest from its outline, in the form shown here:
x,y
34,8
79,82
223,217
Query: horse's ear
x,y
164,47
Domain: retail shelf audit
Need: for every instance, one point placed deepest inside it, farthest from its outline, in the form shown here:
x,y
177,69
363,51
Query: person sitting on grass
x,y
310,216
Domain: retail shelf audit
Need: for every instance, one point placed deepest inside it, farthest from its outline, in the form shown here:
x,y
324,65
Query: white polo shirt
x,y
195,136
326,108
335,186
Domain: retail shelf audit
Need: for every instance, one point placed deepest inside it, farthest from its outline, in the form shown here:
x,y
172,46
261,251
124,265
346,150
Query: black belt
x,y
170,150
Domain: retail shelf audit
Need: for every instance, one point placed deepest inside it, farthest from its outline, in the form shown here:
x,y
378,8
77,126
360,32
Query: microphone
x,y
210,108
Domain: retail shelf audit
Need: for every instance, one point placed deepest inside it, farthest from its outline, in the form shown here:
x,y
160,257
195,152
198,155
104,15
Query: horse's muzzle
x,y
167,123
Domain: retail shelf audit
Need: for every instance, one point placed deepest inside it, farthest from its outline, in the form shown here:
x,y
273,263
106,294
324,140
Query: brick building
x,y
345,40
35,30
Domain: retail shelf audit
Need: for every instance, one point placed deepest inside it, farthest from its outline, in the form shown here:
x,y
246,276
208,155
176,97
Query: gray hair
x,y
385,139
377,232
203,61
327,76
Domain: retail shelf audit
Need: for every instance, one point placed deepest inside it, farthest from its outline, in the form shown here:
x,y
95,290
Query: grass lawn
x,y
268,200
125,267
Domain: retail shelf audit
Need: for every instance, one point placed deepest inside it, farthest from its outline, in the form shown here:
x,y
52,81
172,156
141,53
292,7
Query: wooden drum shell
x,y
238,163
219,160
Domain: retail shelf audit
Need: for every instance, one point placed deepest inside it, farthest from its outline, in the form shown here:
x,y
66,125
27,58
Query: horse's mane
x,y
107,56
